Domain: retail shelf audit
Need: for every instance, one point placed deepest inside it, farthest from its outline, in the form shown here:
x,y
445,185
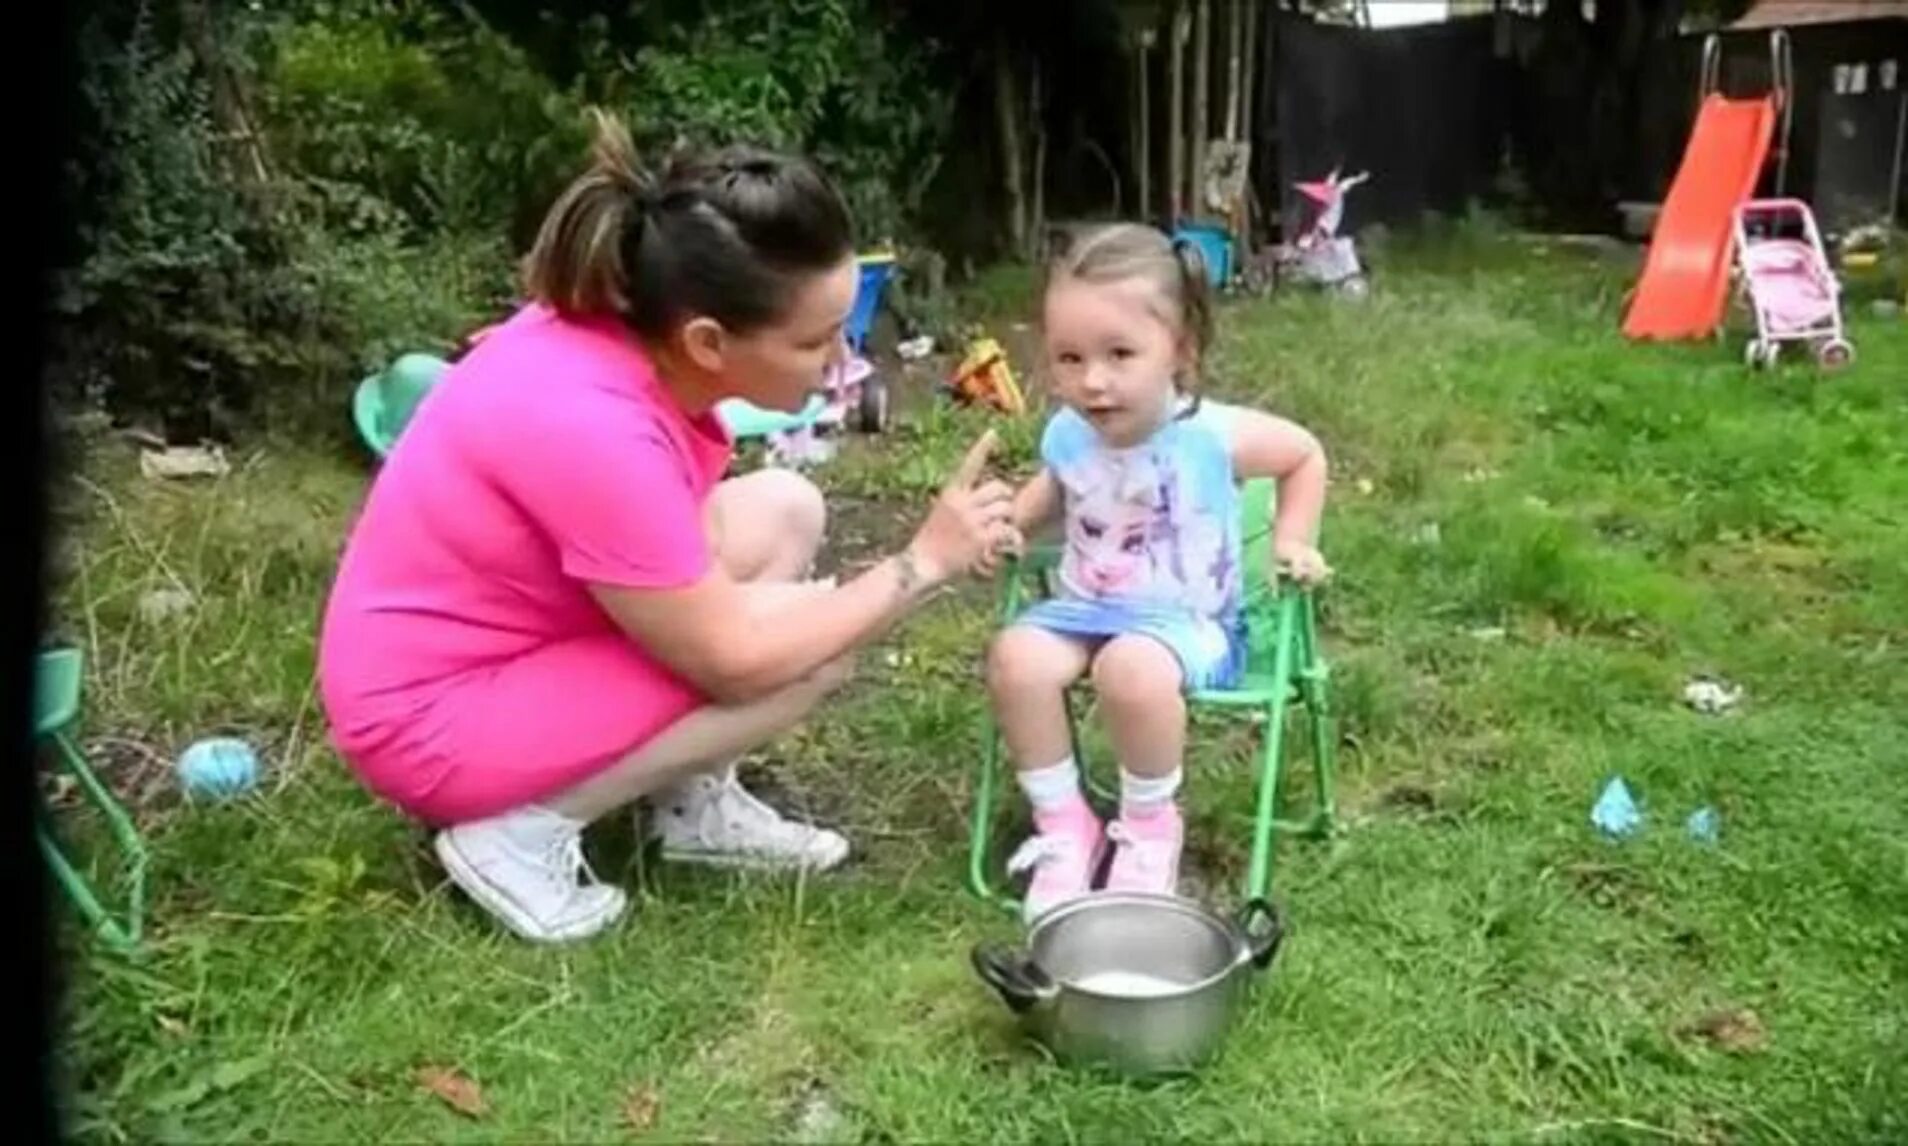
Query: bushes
x,y
285,195
823,77
210,290
435,115
182,279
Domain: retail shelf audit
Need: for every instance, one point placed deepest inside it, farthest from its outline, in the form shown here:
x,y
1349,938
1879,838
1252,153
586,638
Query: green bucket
x,y
386,401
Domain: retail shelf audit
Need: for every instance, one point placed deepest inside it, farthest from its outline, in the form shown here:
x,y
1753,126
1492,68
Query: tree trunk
x,y
1176,115
1007,112
1248,85
1037,123
1235,50
1202,96
1143,144
241,151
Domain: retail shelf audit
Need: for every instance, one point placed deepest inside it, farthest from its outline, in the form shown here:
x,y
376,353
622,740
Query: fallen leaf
x,y
641,1105
455,1088
1737,1030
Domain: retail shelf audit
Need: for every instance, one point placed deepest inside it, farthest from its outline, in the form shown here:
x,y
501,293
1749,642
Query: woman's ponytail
x,y
580,261
729,234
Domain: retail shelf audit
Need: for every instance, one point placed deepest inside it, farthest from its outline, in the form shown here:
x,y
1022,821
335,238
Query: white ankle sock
x,y
1143,795
1054,786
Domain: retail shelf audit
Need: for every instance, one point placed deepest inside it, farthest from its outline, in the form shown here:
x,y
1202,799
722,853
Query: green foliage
x,y
207,286
180,270
821,77
430,112
398,151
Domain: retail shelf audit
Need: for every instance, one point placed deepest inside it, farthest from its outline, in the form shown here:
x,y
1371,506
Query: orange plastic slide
x,y
1685,283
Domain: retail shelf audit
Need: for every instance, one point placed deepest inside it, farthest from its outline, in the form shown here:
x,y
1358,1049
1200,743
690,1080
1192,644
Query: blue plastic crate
x,y
876,270
1215,245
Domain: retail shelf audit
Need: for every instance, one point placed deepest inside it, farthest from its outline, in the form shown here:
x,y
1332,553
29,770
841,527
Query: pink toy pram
x,y
1320,255
1788,284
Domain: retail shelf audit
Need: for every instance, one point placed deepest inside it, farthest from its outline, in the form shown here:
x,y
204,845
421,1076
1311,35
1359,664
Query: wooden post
x,y
1248,86
1235,49
1176,115
1143,124
1007,112
1037,194
1202,95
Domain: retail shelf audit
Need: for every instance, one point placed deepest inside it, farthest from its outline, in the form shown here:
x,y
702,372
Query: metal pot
x,y
1143,984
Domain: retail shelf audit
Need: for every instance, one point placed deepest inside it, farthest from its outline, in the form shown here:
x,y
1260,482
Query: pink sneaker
x,y
1146,856
1062,854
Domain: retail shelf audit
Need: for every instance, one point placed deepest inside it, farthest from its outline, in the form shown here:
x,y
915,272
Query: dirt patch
x,y
769,777
1409,799
863,529
1609,885
1212,865
1734,1030
137,772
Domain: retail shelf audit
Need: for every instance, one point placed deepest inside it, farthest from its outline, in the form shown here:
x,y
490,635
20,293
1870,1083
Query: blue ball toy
x,y
218,769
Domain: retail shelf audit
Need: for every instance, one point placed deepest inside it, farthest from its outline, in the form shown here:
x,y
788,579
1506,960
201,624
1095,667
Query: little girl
x,y
1145,476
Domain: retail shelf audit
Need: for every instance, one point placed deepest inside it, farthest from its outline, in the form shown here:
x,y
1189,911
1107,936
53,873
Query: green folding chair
x,y
56,703
1283,669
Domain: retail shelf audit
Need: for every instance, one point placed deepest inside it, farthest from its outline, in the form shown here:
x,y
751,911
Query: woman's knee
x,y
795,507
1137,672
768,525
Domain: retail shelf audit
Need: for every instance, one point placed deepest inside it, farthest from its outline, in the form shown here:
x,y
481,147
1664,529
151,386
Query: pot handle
x,y
1263,929
1020,982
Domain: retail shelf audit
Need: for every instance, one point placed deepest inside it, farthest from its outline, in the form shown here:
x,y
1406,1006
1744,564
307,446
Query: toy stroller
x,y
1320,255
1787,284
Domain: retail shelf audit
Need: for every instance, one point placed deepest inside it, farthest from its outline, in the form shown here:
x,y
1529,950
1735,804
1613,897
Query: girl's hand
x,y
1011,545
1300,561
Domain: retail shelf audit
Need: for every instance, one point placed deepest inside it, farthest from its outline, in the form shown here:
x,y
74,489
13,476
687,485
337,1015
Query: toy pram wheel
x,y
871,413
1356,288
1759,355
1834,354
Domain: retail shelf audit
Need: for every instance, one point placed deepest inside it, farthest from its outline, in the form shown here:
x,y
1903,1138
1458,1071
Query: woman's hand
x,y
1300,561
969,523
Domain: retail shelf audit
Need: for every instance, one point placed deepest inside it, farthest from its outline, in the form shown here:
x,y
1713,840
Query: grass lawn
x,y
1541,534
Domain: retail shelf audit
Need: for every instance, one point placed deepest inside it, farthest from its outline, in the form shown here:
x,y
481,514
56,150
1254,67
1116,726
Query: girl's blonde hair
x,y
1173,268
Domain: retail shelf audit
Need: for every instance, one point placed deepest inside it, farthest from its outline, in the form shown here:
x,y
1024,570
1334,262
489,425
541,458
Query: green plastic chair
x,y
1283,668
56,702
384,402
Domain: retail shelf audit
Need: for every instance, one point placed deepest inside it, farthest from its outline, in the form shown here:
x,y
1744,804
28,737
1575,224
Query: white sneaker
x,y
712,819
526,868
